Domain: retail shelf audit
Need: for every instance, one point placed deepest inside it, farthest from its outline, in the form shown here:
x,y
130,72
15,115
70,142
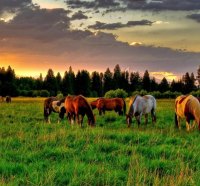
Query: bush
x,y
118,93
59,95
44,93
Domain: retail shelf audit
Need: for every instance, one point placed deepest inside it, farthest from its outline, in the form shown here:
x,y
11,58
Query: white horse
x,y
139,106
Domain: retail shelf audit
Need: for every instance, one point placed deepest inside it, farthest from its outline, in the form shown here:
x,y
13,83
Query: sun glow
x,y
168,75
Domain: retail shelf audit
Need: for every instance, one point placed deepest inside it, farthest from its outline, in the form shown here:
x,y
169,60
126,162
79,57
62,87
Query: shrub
x,y
118,93
44,93
59,95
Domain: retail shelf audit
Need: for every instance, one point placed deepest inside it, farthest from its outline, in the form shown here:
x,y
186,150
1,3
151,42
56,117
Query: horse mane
x,y
86,101
131,102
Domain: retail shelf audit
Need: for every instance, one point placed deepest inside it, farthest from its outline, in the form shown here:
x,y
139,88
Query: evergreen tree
x,y
68,83
124,81
188,82
83,83
39,82
146,83
198,76
58,81
154,84
164,85
107,80
117,77
50,83
96,83
135,81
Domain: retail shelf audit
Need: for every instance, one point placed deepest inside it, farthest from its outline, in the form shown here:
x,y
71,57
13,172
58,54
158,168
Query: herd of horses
x,y
76,107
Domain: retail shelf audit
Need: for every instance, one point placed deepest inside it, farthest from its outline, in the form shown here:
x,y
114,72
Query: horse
x,y
76,106
139,106
53,104
188,107
1,99
8,99
94,104
116,104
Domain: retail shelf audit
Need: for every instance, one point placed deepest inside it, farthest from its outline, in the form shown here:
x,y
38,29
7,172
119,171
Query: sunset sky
x,y
161,36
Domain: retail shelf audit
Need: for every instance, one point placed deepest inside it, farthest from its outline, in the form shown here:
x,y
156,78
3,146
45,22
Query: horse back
x,y
69,104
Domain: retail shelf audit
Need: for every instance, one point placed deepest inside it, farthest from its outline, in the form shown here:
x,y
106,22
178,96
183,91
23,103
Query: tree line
x,y
91,85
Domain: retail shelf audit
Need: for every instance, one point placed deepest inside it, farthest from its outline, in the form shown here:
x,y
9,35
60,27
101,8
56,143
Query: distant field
x,y
35,153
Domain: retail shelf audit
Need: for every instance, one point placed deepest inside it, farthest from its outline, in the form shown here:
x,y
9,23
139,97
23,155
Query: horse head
x,y
128,119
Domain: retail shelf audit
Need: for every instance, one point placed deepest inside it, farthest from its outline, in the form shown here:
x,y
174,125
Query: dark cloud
x,y
14,5
79,15
159,5
195,17
113,26
121,5
92,4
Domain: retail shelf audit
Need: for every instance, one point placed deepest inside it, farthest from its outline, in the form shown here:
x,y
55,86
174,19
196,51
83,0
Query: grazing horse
x,y
94,103
139,106
53,104
76,106
188,107
8,99
1,99
116,104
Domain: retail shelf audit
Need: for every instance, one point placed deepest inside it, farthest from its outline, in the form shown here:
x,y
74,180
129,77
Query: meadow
x,y
36,153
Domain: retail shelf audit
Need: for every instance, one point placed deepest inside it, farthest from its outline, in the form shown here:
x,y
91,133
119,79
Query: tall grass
x,y
35,153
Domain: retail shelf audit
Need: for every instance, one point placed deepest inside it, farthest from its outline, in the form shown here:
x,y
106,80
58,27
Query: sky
x,y
161,36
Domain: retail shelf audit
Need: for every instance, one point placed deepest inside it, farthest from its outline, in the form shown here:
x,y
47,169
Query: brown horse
x,y
116,104
1,99
94,103
188,107
76,106
8,99
53,104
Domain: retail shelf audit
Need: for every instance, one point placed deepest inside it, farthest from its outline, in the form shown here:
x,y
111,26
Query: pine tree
x,y
198,76
135,81
108,80
68,83
58,81
96,83
50,83
164,85
146,83
117,77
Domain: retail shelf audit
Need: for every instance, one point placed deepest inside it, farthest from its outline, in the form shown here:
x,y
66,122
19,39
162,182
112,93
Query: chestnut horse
x,y
76,106
53,104
188,107
1,99
139,106
94,103
116,104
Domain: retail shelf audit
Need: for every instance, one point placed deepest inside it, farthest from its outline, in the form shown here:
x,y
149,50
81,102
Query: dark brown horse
x,y
116,104
8,99
76,106
53,104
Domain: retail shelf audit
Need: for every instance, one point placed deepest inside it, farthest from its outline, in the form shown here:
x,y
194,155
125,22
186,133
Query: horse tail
x,y
124,107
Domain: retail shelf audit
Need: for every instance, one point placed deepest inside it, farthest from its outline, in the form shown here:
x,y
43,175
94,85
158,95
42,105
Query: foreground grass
x,y
35,153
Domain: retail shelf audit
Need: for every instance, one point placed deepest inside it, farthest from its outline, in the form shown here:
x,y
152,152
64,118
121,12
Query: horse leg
x,y
82,116
100,112
187,124
153,116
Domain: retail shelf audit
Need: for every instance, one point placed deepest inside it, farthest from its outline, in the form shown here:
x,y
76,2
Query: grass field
x,y
35,153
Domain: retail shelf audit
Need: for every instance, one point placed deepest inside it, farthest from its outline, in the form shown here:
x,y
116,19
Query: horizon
x,y
157,36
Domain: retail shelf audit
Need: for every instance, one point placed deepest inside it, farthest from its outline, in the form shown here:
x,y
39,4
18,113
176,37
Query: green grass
x,y
35,153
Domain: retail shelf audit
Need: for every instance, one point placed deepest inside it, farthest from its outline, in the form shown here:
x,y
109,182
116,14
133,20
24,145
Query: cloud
x,y
38,35
113,26
195,17
13,5
121,5
92,4
78,16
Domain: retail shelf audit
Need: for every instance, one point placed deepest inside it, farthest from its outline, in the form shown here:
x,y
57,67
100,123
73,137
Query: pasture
x,y
36,153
